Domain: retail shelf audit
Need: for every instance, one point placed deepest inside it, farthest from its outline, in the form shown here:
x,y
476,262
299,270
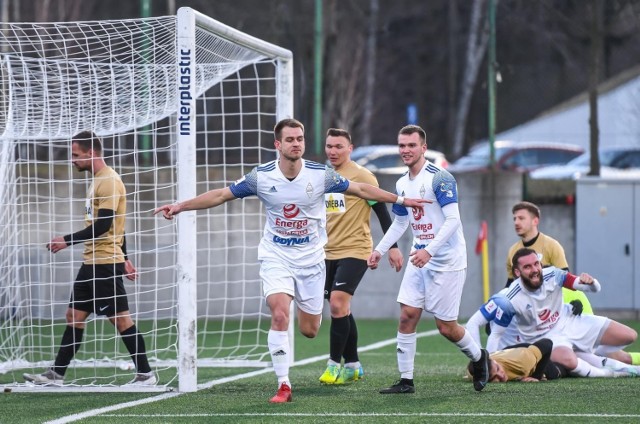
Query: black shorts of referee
x,y
99,289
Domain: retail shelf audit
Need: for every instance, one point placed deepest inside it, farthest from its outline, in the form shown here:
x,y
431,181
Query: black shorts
x,y
99,289
343,275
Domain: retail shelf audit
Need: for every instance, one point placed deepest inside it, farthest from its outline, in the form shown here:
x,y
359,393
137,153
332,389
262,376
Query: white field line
x,y
100,411
373,414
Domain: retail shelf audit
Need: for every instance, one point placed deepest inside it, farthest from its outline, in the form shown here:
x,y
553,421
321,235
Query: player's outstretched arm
x,y
584,282
207,200
369,192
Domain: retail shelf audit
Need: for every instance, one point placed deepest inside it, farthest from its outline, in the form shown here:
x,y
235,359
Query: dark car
x,y
615,162
517,156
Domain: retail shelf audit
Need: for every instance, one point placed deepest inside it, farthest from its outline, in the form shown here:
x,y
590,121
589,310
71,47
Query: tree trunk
x,y
370,70
596,34
453,68
476,49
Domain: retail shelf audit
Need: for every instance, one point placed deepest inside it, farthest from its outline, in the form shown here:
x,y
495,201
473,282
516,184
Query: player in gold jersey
x,y
526,218
98,288
526,362
348,248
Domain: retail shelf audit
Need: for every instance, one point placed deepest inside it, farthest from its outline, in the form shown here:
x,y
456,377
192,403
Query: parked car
x,y
615,162
385,159
517,156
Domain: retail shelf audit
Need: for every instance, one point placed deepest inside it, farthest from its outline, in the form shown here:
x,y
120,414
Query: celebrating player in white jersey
x,y
291,252
436,273
535,299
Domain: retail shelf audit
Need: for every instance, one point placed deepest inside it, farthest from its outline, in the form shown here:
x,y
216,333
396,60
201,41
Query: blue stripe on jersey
x,y
314,165
269,166
399,210
445,188
246,186
431,168
515,289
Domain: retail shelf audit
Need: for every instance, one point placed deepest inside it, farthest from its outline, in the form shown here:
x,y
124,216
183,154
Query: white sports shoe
x,y
144,379
49,377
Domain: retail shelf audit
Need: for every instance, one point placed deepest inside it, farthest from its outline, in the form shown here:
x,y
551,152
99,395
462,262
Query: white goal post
x,y
183,104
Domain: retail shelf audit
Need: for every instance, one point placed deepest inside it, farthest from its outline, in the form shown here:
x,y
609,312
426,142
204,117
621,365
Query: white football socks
x,y
469,347
278,343
406,352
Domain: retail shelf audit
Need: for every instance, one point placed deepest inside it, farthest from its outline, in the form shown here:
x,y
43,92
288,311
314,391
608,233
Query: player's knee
x,y
450,332
279,320
339,309
565,357
309,329
309,333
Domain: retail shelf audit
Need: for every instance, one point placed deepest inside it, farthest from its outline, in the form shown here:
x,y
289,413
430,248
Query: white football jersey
x,y
438,185
538,312
295,231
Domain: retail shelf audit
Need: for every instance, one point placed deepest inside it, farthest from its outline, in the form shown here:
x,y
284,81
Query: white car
x,y
385,159
615,162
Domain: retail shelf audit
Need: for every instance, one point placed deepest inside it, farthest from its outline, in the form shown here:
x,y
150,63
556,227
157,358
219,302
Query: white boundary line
x,y
373,414
106,409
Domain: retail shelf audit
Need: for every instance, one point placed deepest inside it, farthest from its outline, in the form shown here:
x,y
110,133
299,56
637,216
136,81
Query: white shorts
x,y
582,332
436,292
305,285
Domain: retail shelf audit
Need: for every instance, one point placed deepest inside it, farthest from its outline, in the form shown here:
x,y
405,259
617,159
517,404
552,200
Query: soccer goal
x,y
183,104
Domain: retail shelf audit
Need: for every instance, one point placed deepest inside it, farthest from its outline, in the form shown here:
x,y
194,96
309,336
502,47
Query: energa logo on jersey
x,y
290,211
298,228
417,213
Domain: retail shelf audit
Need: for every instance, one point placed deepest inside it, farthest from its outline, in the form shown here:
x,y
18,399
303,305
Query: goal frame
x,y
187,21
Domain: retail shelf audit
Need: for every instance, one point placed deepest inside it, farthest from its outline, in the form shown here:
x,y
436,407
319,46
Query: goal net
x,y
182,104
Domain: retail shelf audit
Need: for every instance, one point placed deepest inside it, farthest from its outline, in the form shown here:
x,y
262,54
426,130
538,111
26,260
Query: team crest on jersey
x,y
290,211
422,191
309,190
447,188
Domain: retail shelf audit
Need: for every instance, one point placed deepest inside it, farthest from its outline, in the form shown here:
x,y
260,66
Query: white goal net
x,y
183,104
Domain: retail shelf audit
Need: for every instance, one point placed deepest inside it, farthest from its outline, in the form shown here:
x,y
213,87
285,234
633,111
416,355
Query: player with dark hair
x,y
534,303
526,362
98,287
526,218
291,252
435,275
348,248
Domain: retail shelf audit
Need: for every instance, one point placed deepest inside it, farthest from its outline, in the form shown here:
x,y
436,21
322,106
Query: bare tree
x,y
596,34
370,70
344,82
453,29
476,49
